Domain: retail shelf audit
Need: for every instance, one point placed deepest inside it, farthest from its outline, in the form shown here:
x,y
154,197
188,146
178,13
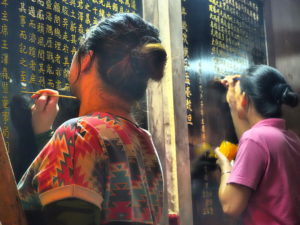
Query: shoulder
x,y
95,120
255,142
263,135
105,126
99,121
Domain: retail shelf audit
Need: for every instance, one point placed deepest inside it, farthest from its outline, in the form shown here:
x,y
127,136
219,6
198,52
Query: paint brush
x,y
236,79
220,79
61,96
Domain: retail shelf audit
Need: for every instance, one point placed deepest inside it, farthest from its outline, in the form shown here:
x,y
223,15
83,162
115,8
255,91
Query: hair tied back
x,y
154,56
284,94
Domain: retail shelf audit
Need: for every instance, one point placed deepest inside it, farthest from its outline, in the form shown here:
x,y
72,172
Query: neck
x,y
240,125
95,99
102,104
255,119
112,110
253,116
244,123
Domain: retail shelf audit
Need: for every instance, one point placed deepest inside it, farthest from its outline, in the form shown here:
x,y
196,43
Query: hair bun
x,y
290,98
152,57
284,94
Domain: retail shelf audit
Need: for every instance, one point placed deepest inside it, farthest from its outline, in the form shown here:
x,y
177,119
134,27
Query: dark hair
x,y
129,53
267,89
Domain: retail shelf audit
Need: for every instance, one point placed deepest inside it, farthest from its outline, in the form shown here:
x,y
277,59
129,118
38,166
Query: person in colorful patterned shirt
x,y
100,168
263,184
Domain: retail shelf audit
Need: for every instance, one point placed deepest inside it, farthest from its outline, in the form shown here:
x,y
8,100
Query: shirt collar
x,y
273,122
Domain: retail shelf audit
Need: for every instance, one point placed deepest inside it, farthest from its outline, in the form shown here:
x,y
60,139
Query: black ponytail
x,y
284,94
268,90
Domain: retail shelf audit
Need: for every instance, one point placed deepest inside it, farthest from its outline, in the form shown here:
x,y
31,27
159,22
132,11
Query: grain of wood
x,y
11,212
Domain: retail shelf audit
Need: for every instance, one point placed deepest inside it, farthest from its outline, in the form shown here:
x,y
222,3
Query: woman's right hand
x,y
230,83
44,110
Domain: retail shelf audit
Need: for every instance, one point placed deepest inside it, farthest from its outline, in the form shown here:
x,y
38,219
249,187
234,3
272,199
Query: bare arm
x,y
233,197
69,211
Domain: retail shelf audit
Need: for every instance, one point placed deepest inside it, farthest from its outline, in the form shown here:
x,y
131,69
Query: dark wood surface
x,y
283,35
11,212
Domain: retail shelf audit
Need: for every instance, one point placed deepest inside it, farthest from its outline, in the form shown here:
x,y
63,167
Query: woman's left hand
x,y
222,161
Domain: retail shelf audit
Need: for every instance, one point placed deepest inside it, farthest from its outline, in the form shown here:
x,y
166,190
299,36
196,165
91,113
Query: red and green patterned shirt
x,y
101,159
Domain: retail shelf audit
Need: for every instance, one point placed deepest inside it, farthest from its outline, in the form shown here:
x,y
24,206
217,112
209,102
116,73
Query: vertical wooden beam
x,y
11,212
167,109
155,107
180,113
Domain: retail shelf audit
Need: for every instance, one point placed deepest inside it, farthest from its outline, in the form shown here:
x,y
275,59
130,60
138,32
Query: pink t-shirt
x,y
268,161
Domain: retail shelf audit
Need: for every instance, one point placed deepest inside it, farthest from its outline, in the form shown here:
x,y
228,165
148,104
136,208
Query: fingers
x,y
218,162
44,100
230,80
40,103
53,100
222,161
220,155
52,103
46,92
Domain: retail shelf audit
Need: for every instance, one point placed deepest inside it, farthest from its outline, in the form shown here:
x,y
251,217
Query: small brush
x,y
61,96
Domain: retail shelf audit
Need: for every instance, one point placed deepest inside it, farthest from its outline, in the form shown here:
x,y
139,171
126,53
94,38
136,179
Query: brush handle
x,y
61,96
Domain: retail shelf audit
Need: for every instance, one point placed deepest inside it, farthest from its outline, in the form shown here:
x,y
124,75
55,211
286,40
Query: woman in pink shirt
x,y
263,185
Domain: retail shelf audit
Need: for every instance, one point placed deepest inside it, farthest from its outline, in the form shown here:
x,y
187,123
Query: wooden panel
x,y
283,35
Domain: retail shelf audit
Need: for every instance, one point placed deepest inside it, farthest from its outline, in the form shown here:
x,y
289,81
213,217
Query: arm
x,y
44,112
233,98
233,197
49,173
71,212
69,190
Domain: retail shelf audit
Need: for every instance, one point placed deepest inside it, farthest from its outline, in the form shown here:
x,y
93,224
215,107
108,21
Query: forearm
x,y
68,212
233,197
35,217
71,212
222,188
228,193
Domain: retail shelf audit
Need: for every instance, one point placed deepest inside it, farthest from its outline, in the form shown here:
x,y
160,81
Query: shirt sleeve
x,y
71,165
249,165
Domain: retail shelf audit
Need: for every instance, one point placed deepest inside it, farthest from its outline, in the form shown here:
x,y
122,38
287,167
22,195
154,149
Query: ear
x,y
86,61
244,101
